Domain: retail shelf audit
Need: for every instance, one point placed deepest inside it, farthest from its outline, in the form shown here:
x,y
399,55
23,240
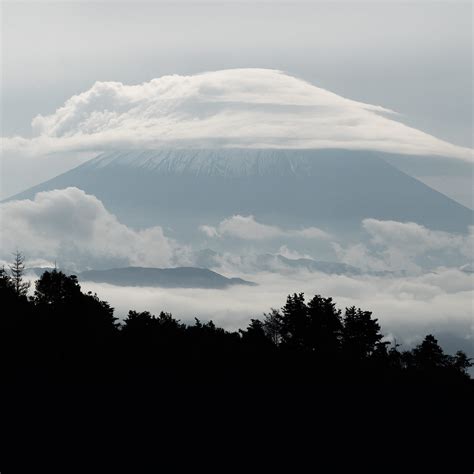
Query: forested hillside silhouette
x,y
60,334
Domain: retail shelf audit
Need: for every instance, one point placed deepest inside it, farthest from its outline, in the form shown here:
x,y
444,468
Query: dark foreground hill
x,y
181,189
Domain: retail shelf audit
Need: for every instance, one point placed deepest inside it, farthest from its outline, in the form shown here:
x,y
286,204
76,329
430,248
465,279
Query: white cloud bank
x,y
236,107
387,246
400,246
76,229
247,228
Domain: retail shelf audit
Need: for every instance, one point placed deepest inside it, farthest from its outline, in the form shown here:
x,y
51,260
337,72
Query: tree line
x,y
59,334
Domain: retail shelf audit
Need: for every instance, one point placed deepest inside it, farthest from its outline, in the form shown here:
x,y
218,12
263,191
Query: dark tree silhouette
x,y
17,270
55,287
272,325
62,334
461,362
361,334
429,355
6,283
294,322
255,333
325,331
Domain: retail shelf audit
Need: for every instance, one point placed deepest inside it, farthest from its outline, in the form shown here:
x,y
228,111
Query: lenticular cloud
x,y
230,108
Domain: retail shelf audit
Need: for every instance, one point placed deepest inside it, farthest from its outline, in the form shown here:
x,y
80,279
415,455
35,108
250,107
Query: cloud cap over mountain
x,y
259,108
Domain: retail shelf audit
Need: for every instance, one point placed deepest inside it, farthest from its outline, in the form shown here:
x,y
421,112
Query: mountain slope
x,y
181,189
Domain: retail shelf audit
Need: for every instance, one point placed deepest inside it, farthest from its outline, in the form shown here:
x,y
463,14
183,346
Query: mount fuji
x,y
332,189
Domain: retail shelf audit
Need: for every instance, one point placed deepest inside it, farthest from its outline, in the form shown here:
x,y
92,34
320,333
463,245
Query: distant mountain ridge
x,y
200,276
179,277
181,189
280,264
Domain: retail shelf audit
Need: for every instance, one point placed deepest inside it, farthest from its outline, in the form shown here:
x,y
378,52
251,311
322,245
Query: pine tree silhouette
x,y
17,270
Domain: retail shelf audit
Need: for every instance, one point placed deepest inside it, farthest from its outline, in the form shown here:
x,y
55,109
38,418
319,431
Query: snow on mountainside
x,y
232,162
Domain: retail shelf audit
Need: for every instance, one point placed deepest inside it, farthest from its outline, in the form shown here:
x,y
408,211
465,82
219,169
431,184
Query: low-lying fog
x,y
438,302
